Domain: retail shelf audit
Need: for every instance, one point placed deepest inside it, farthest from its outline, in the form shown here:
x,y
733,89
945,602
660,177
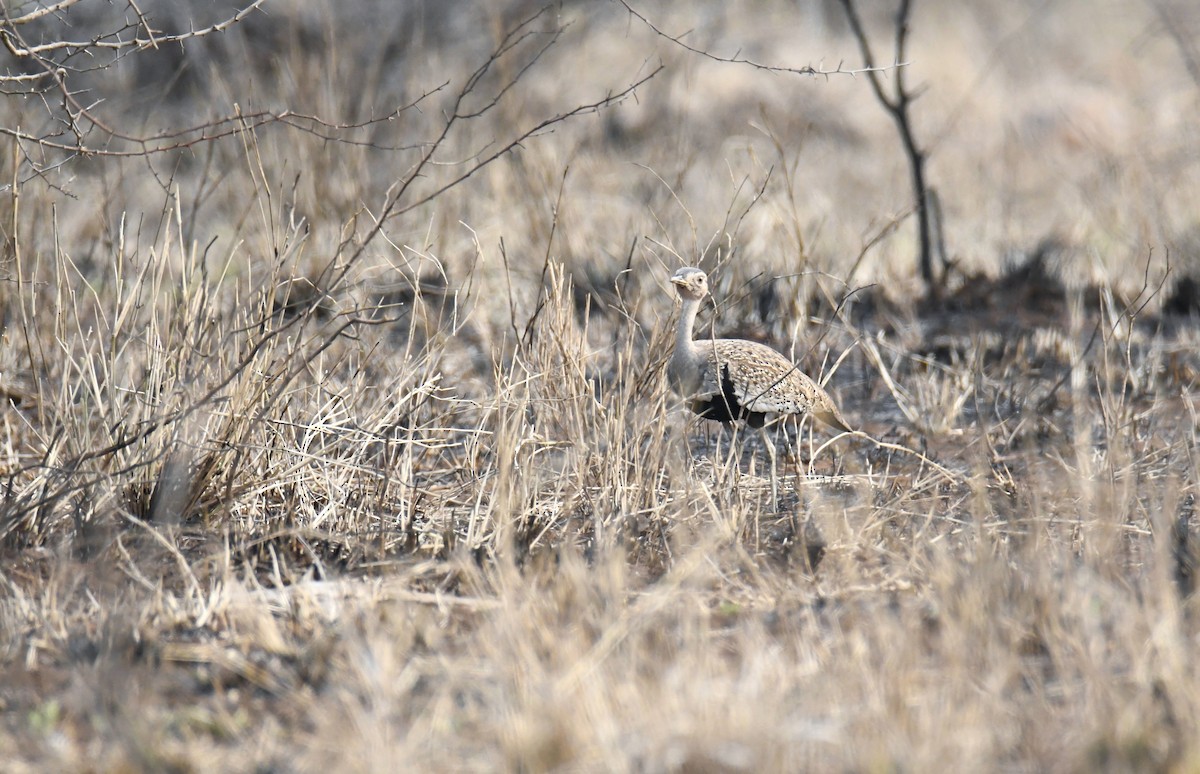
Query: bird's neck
x,y
684,370
687,321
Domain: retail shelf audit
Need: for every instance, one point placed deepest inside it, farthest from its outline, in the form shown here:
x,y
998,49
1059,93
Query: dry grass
x,y
285,491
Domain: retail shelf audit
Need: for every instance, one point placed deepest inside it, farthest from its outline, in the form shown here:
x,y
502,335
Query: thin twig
x,y
738,59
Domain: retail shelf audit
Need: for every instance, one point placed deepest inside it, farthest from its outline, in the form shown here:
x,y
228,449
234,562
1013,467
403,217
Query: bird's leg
x,y
733,460
801,426
774,474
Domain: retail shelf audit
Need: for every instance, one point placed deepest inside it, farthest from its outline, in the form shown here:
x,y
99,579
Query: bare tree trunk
x,y
897,106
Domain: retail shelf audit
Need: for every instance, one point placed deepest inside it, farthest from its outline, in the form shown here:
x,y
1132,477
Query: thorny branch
x,y
45,70
737,58
19,48
77,119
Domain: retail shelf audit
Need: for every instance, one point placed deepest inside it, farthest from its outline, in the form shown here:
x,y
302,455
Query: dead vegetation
x,y
347,445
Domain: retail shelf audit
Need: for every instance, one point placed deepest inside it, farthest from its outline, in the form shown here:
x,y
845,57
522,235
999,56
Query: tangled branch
x,y
261,358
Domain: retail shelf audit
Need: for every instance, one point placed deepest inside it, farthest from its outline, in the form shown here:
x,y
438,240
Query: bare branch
x,y
737,59
897,107
536,129
57,60
178,139
392,206
41,12
864,46
134,43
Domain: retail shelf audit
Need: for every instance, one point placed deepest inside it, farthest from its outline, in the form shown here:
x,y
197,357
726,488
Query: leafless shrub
x,y
898,106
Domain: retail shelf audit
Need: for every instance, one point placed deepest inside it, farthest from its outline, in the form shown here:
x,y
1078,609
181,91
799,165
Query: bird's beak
x,y
678,281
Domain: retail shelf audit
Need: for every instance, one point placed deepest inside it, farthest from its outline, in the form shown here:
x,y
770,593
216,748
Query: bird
x,y
726,380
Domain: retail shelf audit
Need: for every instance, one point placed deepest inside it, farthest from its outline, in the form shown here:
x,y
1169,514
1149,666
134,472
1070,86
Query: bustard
x,y
730,379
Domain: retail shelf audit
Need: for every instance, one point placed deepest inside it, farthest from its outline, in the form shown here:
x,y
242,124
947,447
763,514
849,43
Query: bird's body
x,y
730,379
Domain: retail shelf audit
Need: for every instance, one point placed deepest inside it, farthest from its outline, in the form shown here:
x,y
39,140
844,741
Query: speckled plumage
x,y
730,379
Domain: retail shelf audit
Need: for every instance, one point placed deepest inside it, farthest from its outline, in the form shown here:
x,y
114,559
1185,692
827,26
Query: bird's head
x,y
692,283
